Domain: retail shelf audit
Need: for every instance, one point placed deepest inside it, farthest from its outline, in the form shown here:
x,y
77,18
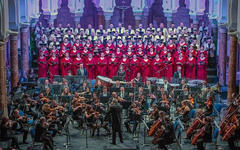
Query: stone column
x,y
107,19
25,50
14,59
3,78
222,54
101,18
232,66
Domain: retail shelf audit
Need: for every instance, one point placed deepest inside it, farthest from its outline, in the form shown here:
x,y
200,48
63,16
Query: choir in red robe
x,y
42,66
53,64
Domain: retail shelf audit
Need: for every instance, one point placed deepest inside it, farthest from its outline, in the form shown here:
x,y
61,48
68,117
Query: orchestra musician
x,y
134,115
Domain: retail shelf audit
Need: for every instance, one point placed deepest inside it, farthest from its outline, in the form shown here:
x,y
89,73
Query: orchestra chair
x,y
57,78
35,144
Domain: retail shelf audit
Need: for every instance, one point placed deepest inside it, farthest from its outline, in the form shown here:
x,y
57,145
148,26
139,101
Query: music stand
x,y
66,99
104,99
117,90
129,90
117,78
146,92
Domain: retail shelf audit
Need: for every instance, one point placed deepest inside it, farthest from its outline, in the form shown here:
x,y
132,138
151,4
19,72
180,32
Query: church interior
x,y
120,74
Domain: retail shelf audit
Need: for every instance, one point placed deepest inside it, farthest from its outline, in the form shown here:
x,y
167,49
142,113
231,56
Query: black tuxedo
x,y
82,73
115,111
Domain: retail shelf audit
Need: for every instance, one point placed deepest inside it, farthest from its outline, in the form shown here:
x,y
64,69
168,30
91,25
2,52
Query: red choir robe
x,y
100,47
177,53
194,53
204,52
138,46
85,53
134,68
180,63
76,65
125,64
89,47
190,68
169,68
145,66
108,54
79,46
171,48
118,55
151,55
42,67
66,66
129,54
148,47
111,46
73,54
90,66
113,67
183,44
45,52
140,54
66,45
159,48
121,47
102,65
202,68
54,51
53,69
62,54
163,54
158,66
130,46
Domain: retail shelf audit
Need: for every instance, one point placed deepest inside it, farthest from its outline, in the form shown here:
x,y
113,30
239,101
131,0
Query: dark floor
x,y
78,142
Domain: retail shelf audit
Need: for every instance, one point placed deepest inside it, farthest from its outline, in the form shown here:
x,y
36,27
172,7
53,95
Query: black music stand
x,y
104,99
129,90
66,99
117,78
117,90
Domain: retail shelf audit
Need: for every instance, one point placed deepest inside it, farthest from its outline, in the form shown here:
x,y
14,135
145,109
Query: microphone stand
x,y
67,145
86,137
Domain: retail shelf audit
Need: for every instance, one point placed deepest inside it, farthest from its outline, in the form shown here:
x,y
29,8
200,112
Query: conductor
x,y
115,111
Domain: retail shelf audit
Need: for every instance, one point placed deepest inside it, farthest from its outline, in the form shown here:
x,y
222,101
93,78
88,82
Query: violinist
x,y
134,115
22,124
77,106
184,111
208,106
91,117
42,134
6,132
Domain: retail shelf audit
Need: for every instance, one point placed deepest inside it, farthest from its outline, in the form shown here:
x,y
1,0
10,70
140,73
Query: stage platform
x,y
78,142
